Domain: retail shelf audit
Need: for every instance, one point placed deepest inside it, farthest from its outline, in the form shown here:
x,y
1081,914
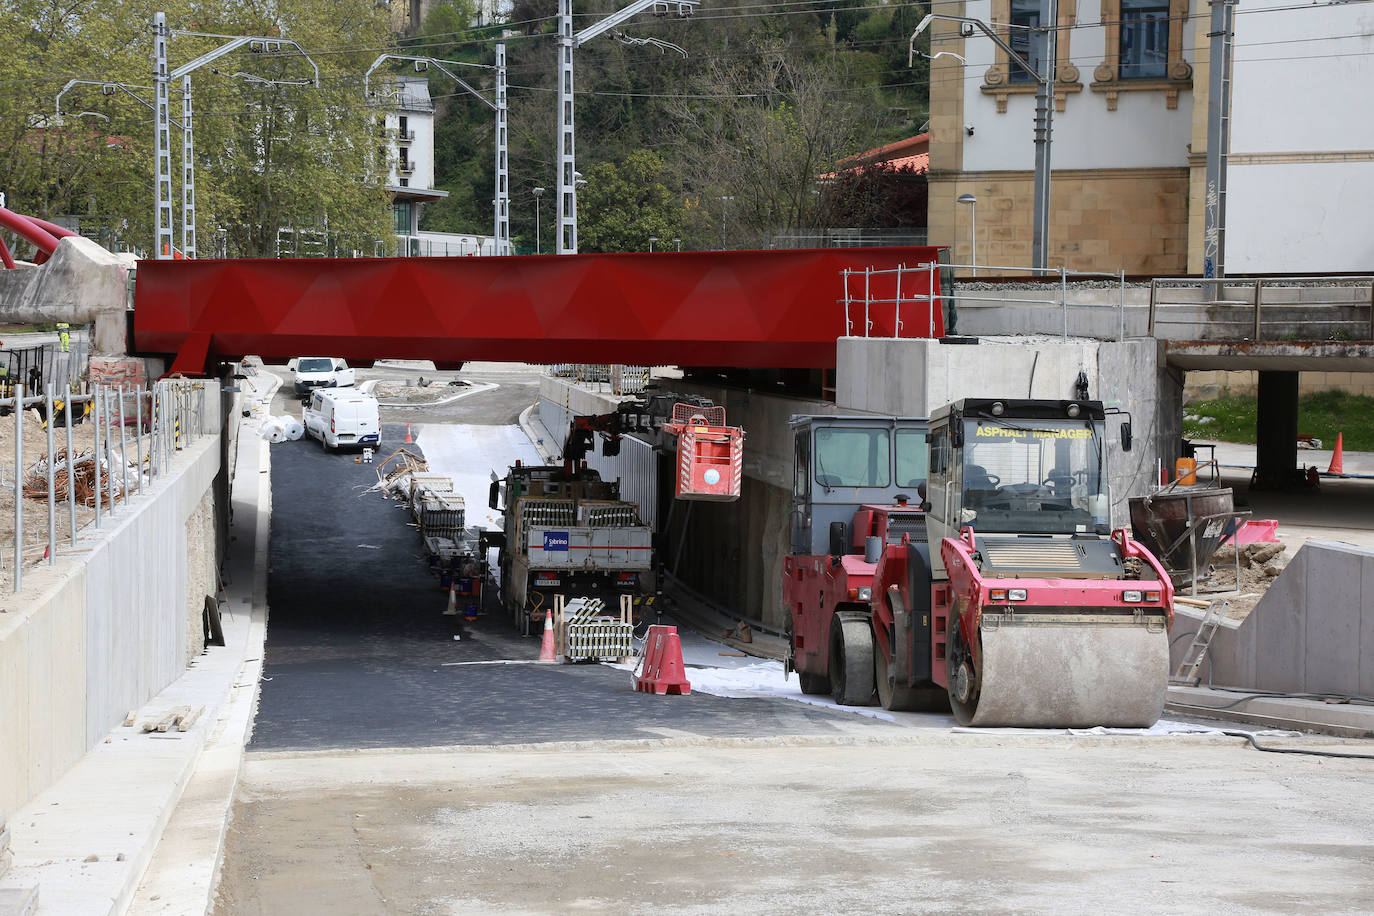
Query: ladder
x,y
1187,673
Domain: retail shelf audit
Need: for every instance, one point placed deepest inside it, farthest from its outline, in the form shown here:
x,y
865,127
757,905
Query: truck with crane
x,y
966,562
566,533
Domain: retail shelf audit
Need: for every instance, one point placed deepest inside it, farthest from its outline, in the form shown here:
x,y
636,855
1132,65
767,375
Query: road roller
x,y
966,562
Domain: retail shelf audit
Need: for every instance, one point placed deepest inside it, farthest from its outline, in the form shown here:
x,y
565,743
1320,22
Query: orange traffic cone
x,y
1336,467
452,610
409,441
547,655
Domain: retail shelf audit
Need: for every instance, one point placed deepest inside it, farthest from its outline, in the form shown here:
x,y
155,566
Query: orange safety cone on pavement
x,y
547,653
452,610
1336,456
409,441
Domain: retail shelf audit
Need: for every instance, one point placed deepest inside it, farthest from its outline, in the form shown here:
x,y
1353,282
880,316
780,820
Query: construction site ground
x,y
396,769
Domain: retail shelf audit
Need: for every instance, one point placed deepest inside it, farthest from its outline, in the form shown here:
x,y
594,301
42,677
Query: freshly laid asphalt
x,y
359,654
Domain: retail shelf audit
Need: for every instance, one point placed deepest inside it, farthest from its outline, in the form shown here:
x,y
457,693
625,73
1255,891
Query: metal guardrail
x,y
1212,291
619,379
929,269
166,418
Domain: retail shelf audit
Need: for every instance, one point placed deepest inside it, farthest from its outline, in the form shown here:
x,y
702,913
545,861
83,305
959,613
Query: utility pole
x,y
568,41
501,202
1044,108
162,79
1219,64
162,154
1044,127
502,161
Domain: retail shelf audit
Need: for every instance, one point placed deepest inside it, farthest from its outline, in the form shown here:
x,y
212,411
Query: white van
x,y
311,372
342,416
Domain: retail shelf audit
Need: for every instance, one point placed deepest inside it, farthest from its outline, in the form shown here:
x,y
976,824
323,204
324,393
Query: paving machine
x,y
968,560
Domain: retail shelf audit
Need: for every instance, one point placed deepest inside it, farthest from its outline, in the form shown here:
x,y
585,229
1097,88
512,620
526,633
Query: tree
x,y
781,122
267,155
623,205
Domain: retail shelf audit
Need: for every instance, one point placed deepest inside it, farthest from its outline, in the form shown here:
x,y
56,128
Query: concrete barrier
x,y
104,629
1312,632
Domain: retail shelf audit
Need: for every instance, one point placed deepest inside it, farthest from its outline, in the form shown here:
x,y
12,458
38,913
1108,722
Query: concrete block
x,y
1281,632
1366,684
1332,617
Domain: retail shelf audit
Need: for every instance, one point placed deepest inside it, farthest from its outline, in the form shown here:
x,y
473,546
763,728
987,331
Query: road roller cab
x,y
999,588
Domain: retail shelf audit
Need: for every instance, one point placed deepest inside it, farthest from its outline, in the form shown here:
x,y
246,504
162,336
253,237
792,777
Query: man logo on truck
x,y
556,540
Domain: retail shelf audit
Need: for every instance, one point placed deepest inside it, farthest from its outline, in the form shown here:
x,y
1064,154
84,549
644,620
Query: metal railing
x,y
95,477
1211,294
930,270
618,379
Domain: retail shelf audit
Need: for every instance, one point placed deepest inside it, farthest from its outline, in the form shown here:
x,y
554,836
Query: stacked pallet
x,y
438,510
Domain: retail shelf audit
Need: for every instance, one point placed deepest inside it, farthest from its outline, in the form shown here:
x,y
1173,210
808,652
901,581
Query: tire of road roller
x,y
1064,676
905,699
814,684
851,662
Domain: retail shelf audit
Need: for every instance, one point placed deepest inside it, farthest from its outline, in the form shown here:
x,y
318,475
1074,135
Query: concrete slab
x,y
1347,720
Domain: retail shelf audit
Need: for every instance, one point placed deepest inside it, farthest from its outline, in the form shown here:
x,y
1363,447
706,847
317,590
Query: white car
x,y
311,372
342,416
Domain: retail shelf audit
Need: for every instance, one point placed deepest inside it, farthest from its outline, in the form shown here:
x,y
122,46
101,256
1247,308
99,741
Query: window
x,y
1040,476
1004,79
853,457
801,480
913,457
1144,50
1144,39
1025,42
401,210
403,135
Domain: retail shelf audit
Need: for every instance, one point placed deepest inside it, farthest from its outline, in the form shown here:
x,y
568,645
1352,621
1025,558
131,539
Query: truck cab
x,y
858,488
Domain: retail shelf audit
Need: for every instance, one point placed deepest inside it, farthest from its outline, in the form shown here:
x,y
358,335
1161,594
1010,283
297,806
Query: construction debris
x,y
84,472
393,474
179,719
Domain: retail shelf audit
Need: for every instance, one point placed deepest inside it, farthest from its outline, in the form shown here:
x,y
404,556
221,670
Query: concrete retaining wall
x,y
1312,632
106,628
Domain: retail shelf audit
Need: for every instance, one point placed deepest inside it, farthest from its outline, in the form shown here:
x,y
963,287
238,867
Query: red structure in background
x,y
43,234
747,309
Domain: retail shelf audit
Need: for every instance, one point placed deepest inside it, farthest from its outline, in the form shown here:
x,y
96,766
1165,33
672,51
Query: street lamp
x,y
723,201
538,193
652,239
973,234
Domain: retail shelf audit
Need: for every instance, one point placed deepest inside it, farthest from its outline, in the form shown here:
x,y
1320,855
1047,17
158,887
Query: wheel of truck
x,y
962,677
851,662
813,684
904,699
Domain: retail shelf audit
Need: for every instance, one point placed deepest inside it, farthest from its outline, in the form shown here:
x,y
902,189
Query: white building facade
x,y
1130,137
408,149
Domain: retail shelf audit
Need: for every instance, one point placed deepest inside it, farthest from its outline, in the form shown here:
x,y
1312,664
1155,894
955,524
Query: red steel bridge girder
x,y
747,309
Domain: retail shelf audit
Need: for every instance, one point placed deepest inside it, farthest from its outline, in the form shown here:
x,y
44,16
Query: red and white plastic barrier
x,y
660,668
